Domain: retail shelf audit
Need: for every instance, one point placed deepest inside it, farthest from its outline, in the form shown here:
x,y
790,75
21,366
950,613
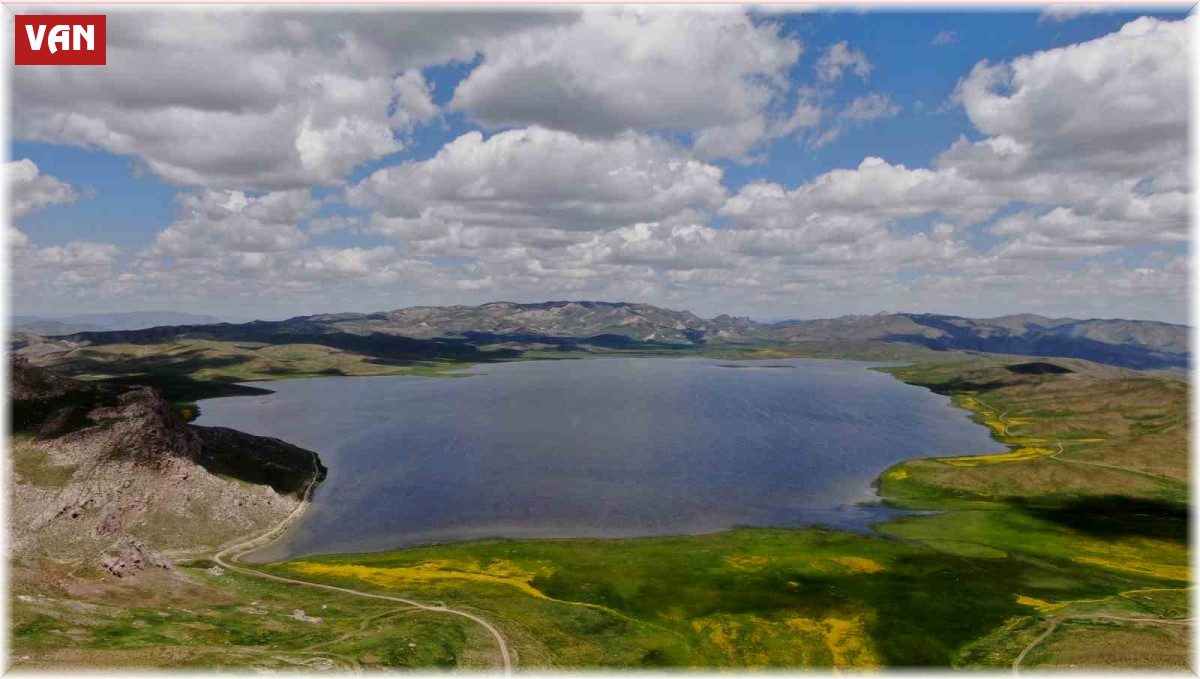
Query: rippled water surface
x,y
603,447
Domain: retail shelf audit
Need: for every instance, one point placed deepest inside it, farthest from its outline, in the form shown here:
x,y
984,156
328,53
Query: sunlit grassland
x,y
749,597
1095,532
197,619
1112,433
1075,539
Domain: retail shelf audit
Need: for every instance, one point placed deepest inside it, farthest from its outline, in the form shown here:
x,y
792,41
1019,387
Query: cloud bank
x,y
597,166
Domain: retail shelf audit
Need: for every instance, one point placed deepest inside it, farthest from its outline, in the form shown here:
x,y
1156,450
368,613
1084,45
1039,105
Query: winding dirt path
x,y
230,556
1016,666
1054,622
1000,414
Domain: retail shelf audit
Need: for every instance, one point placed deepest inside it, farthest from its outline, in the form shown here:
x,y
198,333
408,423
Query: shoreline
x,y
1000,552
236,551
878,501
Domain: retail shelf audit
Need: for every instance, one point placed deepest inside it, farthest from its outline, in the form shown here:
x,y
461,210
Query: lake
x,y
600,447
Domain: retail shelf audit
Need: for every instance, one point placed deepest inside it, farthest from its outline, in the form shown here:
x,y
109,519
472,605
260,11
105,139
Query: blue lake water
x,y
602,447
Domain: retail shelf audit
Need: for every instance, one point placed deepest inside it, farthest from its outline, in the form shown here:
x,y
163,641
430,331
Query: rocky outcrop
x,y
128,556
47,404
144,430
131,478
257,459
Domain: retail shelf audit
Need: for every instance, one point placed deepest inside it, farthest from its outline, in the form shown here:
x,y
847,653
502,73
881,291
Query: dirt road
x,y
229,556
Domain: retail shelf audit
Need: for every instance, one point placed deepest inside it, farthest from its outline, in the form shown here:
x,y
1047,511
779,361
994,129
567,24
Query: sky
x,y
258,163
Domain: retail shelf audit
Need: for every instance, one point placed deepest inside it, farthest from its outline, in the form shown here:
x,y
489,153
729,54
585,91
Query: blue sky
x,y
475,158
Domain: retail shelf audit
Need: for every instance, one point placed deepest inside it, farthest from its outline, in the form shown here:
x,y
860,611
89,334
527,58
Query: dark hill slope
x,y
300,330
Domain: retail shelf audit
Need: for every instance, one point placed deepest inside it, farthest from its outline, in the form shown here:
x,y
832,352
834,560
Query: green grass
x,y
1098,530
230,620
33,465
962,587
679,599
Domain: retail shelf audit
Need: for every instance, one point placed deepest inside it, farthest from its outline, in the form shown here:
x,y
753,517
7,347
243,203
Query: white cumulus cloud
x,y
648,70
31,190
840,58
232,99
539,178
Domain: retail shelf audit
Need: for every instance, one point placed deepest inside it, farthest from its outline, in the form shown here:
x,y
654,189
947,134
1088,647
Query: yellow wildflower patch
x,y
1154,558
964,401
848,642
1024,440
858,564
991,418
1156,570
499,572
1039,605
750,641
1018,455
995,425
746,563
846,638
723,634
772,353
898,475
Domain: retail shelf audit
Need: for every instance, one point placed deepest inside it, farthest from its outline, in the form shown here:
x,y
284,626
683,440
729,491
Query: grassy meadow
x,y
1069,550
201,618
1068,538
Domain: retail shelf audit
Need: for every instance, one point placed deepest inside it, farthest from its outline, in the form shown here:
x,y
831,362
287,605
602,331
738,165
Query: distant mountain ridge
x,y
641,322
462,330
1123,342
133,320
1136,344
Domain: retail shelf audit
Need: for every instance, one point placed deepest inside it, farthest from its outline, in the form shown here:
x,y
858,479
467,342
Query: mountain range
x,y
133,320
461,331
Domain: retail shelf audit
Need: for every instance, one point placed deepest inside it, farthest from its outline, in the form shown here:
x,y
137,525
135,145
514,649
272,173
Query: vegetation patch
x,y
1071,548
1039,605
32,465
498,572
1087,530
1018,455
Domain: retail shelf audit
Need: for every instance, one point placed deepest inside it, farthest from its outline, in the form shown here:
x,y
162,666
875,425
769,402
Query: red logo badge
x,y
60,40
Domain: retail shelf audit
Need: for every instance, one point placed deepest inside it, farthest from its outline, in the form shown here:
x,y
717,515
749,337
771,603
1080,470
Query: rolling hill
x,y
502,329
